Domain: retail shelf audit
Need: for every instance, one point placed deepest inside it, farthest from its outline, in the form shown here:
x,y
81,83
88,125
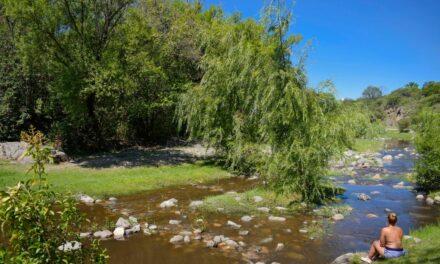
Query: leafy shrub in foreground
x,y
35,221
428,147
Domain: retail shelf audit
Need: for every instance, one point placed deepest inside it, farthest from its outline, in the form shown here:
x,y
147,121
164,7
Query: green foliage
x,y
404,125
428,146
253,106
36,221
37,151
371,92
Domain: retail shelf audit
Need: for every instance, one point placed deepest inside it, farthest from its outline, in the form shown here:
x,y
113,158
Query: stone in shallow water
x,y
372,216
70,246
338,217
375,192
429,201
233,224
420,197
195,204
266,240
351,181
387,158
118,233
276,218
174,222
263,209
102,234
243,232
246,218
122,222
85,199
176,239
168,203
363,197
303,230
280,246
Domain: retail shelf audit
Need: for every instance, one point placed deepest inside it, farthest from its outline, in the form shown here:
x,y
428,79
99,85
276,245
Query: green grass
x,y
426,251
395,134
247,205
377,144
114,181
368,145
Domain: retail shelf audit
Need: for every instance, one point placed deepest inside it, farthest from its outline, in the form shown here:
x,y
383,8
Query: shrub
x,y
35,221
404,125
428,147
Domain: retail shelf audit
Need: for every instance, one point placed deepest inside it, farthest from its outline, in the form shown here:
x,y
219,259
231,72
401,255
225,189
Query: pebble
x,y
303,230
246,218
363,197
195,204
112,199
103,234
263,209
429,201
176,239
387,158
276,218
243,232
338,217
280,246
258,199
118,233
174,222
351,181
186,239
420,197
280,208
372,216
85,234
233,224
122,222
70,246
168,203
266,240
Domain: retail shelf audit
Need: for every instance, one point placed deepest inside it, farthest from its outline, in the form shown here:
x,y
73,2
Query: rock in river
x,y
420,197
176,239
103,234
233,225
276,218
70,246
118,233
122,222
338,217
246,218
387,158
85,199
168,203
363,197
174,222
429,201
195,204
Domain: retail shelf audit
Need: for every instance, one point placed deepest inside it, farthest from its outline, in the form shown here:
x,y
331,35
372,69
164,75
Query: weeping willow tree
x,y
254,107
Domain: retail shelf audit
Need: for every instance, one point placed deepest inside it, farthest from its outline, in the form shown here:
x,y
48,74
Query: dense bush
x,y
253,105
428,147
404,125
35,221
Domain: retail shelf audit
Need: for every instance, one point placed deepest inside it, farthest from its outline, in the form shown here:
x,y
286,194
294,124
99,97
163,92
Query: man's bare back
x,y
391,237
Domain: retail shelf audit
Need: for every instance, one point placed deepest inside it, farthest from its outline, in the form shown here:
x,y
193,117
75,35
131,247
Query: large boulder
x,y
348,258
15,150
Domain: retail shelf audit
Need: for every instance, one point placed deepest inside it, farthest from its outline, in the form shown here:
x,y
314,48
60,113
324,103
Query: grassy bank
x,y
377,144
114,181
426,251
244,203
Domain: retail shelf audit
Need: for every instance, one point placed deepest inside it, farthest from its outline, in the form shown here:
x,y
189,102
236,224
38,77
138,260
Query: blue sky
x,y
357,43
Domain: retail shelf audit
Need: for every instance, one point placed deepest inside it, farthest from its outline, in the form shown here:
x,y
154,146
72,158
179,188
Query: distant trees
x,y
372,92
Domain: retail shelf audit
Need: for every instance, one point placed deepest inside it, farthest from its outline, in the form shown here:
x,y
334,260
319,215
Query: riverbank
x,y
104,182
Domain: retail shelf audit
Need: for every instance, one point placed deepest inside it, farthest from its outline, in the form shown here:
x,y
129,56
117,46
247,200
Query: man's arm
x,y
382,238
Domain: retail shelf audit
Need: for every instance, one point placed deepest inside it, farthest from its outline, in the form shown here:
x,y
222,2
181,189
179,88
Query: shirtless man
x,y
390,243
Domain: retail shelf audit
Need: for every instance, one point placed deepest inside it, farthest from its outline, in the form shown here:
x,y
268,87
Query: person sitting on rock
x,y
390,243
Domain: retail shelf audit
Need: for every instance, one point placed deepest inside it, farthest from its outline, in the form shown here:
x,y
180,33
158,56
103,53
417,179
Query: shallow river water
x,y
354,233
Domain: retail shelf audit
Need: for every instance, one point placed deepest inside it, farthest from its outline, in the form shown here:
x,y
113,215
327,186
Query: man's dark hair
x,y
392,218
